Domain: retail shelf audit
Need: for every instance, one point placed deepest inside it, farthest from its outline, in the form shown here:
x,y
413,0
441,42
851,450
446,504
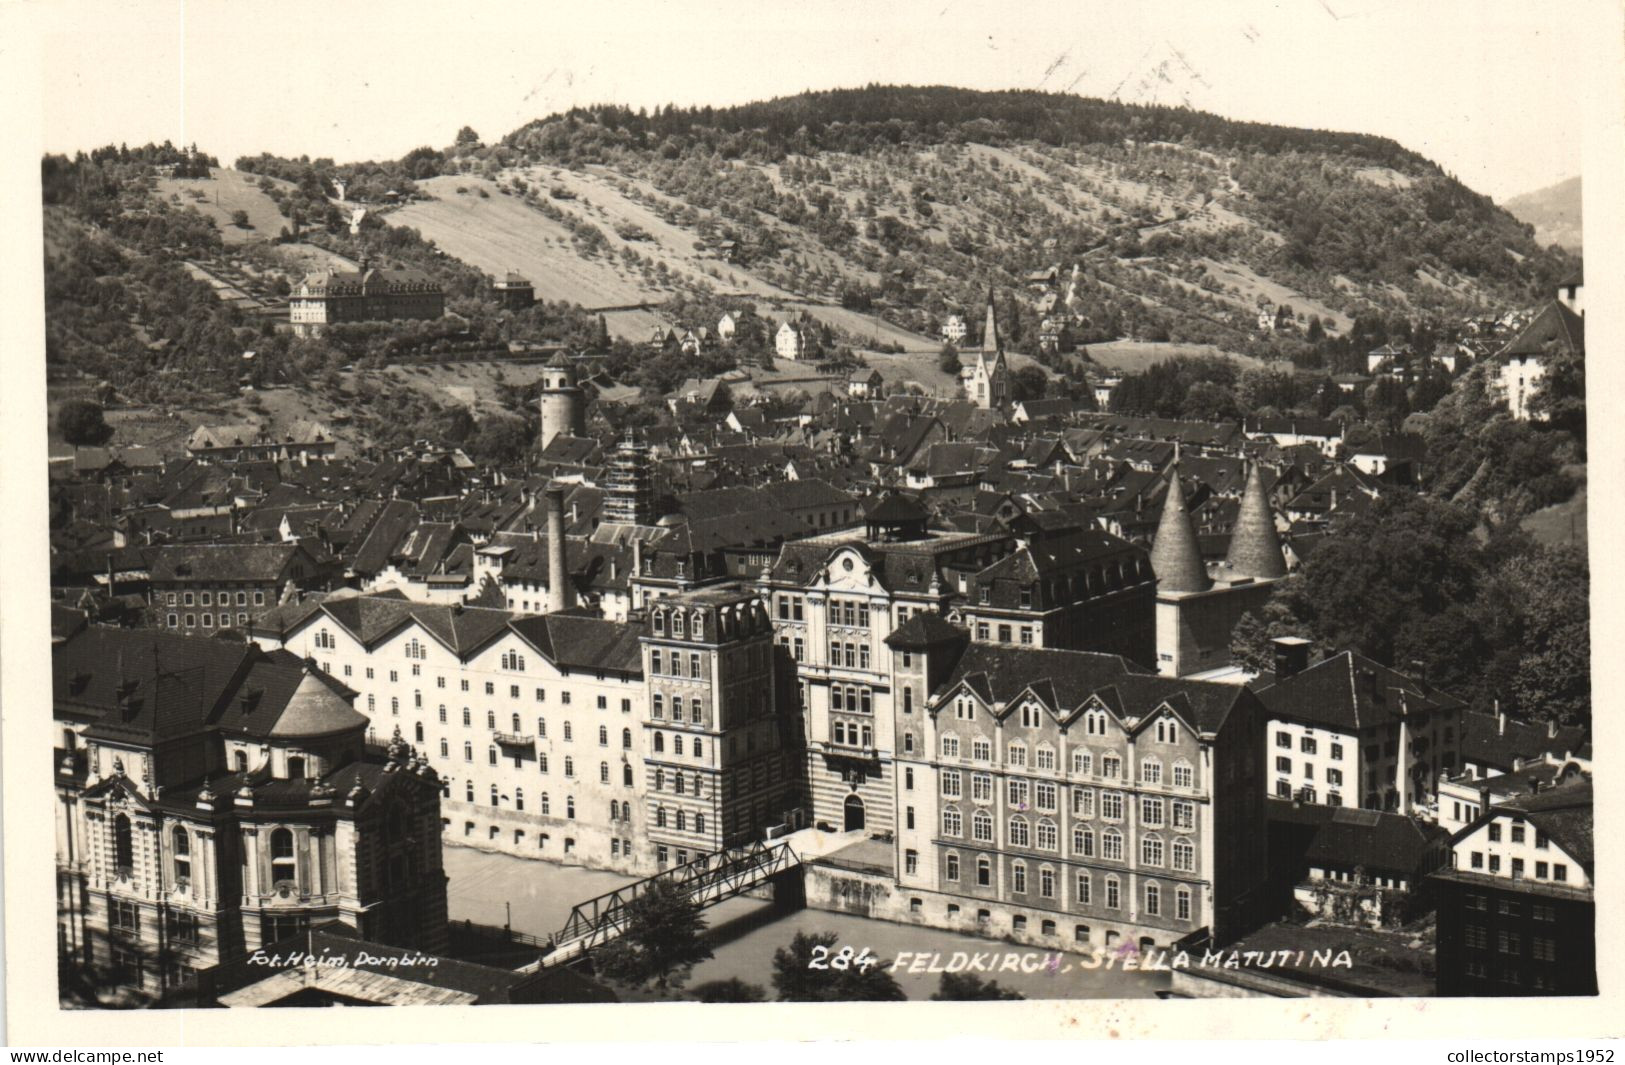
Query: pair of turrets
x,y
1255,548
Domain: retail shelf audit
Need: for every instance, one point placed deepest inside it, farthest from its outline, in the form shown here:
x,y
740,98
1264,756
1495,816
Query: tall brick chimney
x,y
558,574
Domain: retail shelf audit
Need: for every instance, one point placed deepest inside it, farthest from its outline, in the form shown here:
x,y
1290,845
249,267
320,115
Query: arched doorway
x,y
854,813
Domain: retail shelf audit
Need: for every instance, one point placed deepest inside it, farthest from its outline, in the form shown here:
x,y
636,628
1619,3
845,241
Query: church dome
x,y
315,709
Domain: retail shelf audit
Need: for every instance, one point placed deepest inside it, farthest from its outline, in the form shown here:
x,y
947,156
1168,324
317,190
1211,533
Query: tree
x,y
948,360
1250,646
662,942
467,138
1561,397
732,989
239,218
796,980
1029,382
968,987
82,422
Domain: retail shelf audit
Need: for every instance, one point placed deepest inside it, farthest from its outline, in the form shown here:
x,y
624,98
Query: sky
x,y
1483,87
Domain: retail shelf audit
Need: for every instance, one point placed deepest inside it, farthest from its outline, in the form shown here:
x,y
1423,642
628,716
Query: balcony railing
x,y
515,739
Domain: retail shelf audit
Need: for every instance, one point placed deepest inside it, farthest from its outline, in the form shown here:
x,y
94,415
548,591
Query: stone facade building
x,y
1065,797
211,798
370,294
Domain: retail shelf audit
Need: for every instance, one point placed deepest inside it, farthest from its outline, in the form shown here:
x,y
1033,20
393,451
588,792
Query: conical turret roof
x,y
1175,557
1255,549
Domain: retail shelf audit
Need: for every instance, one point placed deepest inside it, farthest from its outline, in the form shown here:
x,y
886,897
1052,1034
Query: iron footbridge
x,y
708,880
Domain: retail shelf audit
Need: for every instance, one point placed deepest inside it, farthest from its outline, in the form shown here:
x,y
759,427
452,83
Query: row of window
x,y
208,599
1334,777
1109,766
680,821
671,664
1554,871
984,633
695,708
1308,745
1541,948
1044,836
1047,881
207,620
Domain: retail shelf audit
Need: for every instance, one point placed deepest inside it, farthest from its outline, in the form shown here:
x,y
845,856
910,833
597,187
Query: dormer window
x,y
699,626
677,625
660,622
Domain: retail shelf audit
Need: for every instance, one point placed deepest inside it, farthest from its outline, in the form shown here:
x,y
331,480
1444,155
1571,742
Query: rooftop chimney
x,y
1500,719
1291,655
558,574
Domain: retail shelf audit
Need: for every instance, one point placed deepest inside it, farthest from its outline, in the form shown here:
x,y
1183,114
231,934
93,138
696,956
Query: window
x,y
984,872
1111,766
1184,776
981,750
1150,771
1114,893
1151,850
1018,877
123,845
1283,764
284,868
125,916
950,746
982,827
1111,805
1046,835
1184,855
1184,816
952,824
950,784
1153,899
1082,763
952,870
1308,745
1017,791
1111,845
1085,896
1044,795
1151,812
1083,842
1283,739
182,846
1018,753
1182,903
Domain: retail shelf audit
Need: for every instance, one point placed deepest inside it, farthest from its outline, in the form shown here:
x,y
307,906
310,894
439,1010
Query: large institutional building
x,y
371,294
212,798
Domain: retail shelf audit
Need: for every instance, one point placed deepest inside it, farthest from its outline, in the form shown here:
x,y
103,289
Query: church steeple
x,y
1175,557
1255,549
990,330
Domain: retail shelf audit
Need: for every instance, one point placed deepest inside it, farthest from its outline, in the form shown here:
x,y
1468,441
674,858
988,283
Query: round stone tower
x,y
563,406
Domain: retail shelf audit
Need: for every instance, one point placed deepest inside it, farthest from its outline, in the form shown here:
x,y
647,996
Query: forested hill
x,y
854,120
1182,224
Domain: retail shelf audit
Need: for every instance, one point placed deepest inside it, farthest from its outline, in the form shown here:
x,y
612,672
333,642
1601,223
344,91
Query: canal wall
x,y
873,894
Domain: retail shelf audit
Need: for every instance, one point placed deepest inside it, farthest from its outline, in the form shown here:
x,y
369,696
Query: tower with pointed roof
x,y
1255,547
987,380
1196,613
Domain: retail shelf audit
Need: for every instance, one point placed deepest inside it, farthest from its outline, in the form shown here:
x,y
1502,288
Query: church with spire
x,y
1197,608
986,379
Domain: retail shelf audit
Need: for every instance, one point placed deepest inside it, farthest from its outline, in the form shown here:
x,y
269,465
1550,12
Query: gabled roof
x,y
1553,327
1380,842
1565,814
573,641
1348,692
1076,679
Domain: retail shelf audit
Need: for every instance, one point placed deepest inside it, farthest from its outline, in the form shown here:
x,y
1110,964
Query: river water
x,y
541,895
